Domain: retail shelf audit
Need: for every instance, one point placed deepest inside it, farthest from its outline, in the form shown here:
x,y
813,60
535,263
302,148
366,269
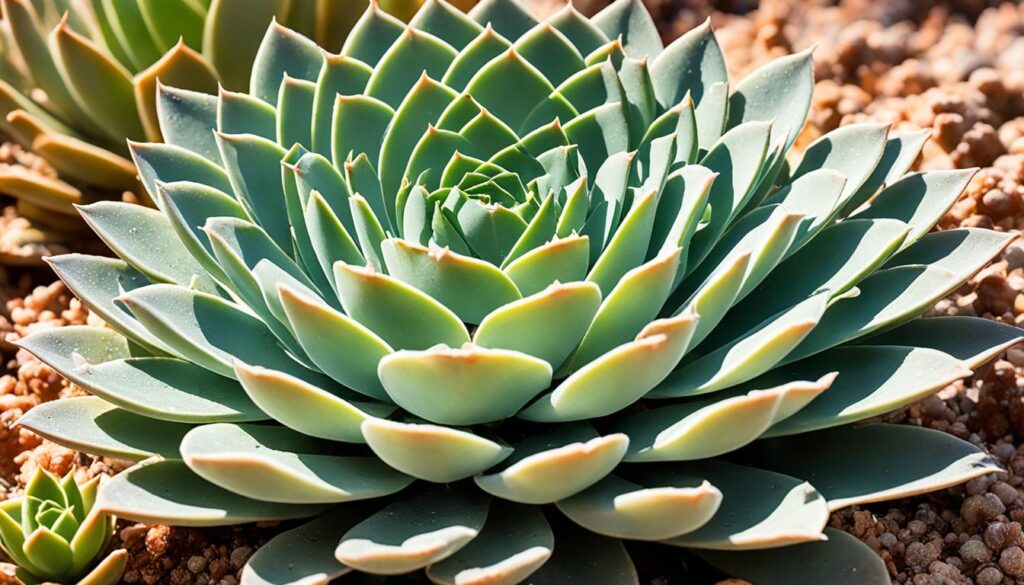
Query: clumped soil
x,y
953,67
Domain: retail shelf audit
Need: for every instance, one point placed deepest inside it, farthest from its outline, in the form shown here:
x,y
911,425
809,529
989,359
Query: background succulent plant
x,y
78,78
477,265
54,532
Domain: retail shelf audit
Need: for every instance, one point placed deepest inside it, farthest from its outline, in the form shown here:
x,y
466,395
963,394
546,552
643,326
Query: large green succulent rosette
x,y
487,297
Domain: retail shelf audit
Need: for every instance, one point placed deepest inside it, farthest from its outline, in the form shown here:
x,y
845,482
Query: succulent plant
x,y
476,265
54,532
78,78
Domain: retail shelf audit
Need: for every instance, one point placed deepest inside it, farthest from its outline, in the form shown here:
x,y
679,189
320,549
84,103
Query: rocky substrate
x,y
953,67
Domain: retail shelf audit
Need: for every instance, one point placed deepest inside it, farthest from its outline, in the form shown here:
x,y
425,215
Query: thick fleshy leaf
x,y
511,19
232,35
635,300
623,509
963,251
282,52
145,239
414,532
554,465
372,35
510,71
576,27
186,118
551,52
851,464
887,297
74,159
588,557
872,380
547,325
430,452
673,70
621,376
91,425
109,571
446,22
919,200
253,167
628,247
303,555
737,157
340,76
971,340
414,54
166,163
289,401
709,427
28,35
514,543
843,253
168,492
854,150
630,20
373,117
102,86
97,282
48,550
464,386
486,46
161,388
421,107
401,315
563,259
901,149
747,356
840,560
779,91
210,331
321,330
482,288
182,67
760,509
292,468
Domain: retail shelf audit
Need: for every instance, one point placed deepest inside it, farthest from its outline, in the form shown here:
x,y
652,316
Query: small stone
x,y
219,568
999,204
1011,560
977,509
197,564
1006,493
239,556
921,555
133,534
887,539
975,551
1014,254
1015,355
989,576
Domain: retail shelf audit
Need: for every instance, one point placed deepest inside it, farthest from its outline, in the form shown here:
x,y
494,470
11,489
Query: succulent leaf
x,y
842,559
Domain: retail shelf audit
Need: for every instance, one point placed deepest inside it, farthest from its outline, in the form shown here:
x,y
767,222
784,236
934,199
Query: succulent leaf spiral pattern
x,y
486,296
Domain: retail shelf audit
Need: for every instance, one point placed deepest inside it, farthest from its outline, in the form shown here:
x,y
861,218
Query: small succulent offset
x,y
54,532
475,265
79,77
